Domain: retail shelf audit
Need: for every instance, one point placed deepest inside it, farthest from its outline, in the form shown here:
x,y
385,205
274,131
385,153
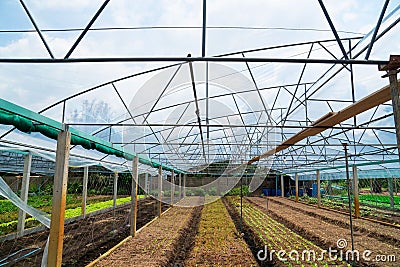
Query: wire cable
x,y
178,27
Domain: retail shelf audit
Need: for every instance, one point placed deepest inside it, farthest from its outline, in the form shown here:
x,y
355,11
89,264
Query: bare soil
x,y
386,234
160,243
326,233
377,213
86,239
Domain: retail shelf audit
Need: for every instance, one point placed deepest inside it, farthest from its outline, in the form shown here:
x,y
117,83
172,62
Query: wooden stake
x,y
390,188
184,185
172,187
297,187
84,189
54,258
394,92
146,185
319,188
180,186
134,202
115,189
24,193
159,191
355,193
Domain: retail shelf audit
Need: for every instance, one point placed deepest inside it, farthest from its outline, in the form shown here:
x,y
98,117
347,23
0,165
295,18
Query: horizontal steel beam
x,y
321,126
193,59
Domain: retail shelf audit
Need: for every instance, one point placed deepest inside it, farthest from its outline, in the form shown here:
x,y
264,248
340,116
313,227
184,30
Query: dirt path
x,y
159,243
386,234
85,239
326,233
217,242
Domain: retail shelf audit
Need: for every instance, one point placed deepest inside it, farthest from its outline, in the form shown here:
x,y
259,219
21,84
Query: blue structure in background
x,y
269,192
314,190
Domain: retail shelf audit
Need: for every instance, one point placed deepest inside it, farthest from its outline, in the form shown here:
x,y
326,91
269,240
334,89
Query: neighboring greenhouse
x,y
128,135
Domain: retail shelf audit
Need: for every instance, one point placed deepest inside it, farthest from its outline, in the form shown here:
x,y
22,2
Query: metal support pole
x,y
159,191
86,29
134,196
297,186
204,29
84,189
378,24
348,195
24,193
355,193
319,188
333,29
115,189
184,185
56,237
282,186
172,187
36,28
180,186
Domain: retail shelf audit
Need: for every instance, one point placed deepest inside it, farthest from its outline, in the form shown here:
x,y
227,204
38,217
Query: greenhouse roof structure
x,y
187,84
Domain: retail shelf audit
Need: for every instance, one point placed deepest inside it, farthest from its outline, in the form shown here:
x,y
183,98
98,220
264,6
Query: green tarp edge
x,y
28,121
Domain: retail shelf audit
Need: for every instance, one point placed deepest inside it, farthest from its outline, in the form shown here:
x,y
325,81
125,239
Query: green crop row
x,y
380,199
278,237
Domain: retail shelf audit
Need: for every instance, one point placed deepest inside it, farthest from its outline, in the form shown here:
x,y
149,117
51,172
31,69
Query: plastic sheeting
x,y
6,192
75,161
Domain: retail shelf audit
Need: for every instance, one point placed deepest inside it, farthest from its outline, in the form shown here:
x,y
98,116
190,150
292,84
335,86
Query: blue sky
x,y
37,86
352,16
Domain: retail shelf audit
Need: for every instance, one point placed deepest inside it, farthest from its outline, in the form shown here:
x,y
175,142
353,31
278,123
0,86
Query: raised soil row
x,y
326,233
262,230
386,234
85,239
160,242
217,242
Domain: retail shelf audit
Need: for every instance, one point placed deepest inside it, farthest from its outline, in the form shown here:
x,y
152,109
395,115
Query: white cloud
x,y
37,86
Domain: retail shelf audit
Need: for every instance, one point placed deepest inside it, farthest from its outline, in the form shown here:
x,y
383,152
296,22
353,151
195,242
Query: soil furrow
x,y
386,234
158,244
326,234
217,242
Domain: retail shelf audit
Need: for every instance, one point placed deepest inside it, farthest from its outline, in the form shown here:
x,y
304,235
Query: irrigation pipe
x,y
4,261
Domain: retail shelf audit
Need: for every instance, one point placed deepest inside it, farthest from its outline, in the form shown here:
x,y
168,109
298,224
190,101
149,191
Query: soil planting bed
x,y
387,234
367,211
217,242
326,234
86,239
278,238
160,243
